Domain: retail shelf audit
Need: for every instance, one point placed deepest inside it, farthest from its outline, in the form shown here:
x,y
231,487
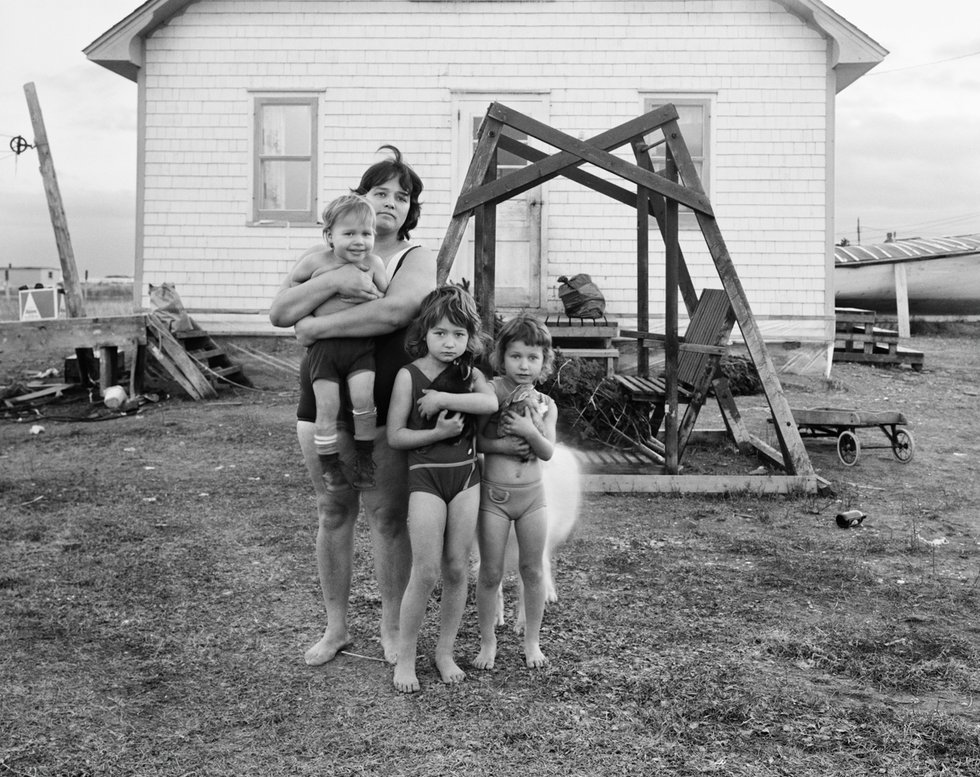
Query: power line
x,y
921,64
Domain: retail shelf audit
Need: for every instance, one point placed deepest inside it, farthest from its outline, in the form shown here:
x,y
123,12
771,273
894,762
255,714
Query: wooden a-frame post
x,y
656,194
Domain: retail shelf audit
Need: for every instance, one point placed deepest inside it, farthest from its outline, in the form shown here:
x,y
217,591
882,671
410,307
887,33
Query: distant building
x,y
15,277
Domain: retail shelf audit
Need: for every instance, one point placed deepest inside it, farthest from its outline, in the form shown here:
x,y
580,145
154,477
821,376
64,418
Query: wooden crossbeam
x,y
519,181
576,152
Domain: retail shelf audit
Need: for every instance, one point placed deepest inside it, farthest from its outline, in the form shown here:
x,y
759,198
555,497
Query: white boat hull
x,y
945,285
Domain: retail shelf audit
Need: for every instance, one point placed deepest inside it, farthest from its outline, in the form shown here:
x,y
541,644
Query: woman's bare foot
x,y
405,680
328,647
535,658
487,655
448,669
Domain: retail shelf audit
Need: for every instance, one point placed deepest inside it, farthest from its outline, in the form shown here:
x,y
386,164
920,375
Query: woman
x,y
393,189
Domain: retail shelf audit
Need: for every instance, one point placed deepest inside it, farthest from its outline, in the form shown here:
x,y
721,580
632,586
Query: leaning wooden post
x,y
642,267
485,255
73,292
671,344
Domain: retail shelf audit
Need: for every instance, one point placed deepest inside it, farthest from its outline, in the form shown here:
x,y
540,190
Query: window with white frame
x,y
285,159
694,122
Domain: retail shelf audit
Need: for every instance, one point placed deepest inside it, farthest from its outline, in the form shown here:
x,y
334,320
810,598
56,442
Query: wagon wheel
x,y
848,448
903,445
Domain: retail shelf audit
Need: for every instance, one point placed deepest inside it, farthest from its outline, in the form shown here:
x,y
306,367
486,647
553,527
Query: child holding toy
x,y
431,399
515,440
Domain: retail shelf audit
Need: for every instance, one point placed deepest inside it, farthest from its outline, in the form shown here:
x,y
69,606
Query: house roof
x,y
120,49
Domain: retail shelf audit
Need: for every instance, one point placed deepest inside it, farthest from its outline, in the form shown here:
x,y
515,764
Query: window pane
x,y
286,129
690,121
285,185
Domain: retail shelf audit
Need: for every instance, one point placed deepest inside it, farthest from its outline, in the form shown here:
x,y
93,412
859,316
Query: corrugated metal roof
x,y
914,248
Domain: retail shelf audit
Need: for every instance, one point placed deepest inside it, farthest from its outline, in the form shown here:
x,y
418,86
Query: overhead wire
x,y
922,64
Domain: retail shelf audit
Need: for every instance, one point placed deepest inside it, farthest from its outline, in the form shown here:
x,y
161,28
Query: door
x,y
519,252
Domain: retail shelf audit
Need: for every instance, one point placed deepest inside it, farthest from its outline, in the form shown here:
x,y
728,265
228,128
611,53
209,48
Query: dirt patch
x,y
157,590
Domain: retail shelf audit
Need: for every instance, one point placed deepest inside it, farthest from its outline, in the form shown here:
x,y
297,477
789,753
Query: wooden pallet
x,y
857,339
586,339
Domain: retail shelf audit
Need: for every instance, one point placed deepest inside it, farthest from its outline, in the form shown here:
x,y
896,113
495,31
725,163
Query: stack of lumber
x,y
858,339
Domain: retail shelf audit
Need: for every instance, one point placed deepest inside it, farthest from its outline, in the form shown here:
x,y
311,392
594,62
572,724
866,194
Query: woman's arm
x,y
399,305
299,295
542,443
480,400
400,437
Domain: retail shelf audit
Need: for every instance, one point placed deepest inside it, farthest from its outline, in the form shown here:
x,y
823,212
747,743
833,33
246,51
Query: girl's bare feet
x,y
448,669
405,680
535,658
487,655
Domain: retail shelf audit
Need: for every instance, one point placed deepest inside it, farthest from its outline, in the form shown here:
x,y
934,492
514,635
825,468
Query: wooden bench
x,y
586,339
701,349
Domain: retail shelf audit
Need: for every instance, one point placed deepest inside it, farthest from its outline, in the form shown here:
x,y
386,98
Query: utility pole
x,y
859,230
69,272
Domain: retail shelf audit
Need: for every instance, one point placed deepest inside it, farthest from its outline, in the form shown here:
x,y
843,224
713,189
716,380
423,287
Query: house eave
x,y
854,53
120,49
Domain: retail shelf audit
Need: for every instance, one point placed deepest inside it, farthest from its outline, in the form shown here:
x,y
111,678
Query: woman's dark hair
x,y
454,304
529,330
382,172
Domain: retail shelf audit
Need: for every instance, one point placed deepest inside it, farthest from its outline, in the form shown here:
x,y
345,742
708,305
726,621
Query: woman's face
x,y
390,202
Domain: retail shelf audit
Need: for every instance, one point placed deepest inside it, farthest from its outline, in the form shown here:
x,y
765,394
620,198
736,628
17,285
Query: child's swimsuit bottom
x,y
511,502
445,481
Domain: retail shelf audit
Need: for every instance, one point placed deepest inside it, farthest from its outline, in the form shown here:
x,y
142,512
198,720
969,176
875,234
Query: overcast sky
x,y
908,133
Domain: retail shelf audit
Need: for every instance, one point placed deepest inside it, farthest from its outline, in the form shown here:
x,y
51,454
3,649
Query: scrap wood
x,y
54,390
171,370
178,361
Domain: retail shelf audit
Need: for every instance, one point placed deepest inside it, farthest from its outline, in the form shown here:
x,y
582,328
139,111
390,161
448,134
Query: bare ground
x,y
157,590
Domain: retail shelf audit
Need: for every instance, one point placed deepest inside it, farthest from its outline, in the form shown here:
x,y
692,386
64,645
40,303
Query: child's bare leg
x,y
460,529
327,393
531,537
492,531
361,389
426,527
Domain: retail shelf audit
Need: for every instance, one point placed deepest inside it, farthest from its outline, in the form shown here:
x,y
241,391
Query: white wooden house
x,y
254,113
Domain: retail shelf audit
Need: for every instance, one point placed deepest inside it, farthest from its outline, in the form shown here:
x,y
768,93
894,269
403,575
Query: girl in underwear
x,y
433,398
515,439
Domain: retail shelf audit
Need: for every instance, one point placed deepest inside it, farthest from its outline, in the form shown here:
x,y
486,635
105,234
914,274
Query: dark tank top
x,y
389,357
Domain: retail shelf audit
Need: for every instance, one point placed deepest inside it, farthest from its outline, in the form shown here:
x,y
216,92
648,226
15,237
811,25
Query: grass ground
x,y
157,591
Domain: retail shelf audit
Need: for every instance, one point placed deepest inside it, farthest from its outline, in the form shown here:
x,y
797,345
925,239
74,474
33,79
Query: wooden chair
x,y
701,349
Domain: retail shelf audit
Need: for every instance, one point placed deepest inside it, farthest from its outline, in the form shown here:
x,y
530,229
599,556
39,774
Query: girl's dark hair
x,y
454,304
381,172
530,331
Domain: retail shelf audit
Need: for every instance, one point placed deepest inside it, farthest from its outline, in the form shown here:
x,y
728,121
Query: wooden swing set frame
x,y
656,194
